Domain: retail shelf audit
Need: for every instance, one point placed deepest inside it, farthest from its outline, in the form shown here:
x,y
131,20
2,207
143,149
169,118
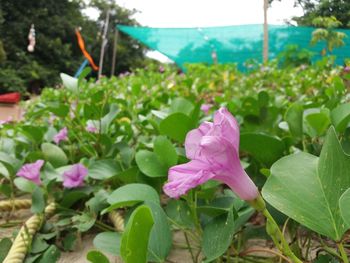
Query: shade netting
x,y
232,44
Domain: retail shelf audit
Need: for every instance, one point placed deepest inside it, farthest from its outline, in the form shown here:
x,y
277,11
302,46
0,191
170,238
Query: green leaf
x,y
36,133
130,195
344,204
107,119
70,197
307,188
51,255
24,185
96,257
134,243
340,117
103,169
69,241
317,123
149,163
181,105
38,245
10,163
179,212
84,221
69,82
54,154
176,126
59,110
294,118
217,236
38,200
264,148
160,238
165,151
108,242
5,246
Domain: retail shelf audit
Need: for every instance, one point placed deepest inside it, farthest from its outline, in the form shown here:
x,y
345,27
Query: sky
x,y
205,13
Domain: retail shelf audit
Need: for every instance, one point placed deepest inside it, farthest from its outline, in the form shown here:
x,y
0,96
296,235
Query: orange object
x,y
86,54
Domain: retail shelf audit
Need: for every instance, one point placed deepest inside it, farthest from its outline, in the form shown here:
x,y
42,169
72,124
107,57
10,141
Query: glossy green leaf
x,y
69,82
96,257
264,148
103,169
38,200
134,243
176,126
150,164
54,154
108,119
51,255
160,238
24,185
165,151
217,236
294,118
5,246
108,242
181,105
340,116
10,163
130,195
307,188
317,123
344,204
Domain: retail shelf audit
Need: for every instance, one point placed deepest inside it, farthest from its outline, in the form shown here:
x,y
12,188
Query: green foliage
x,y
318,181
326,33
56,47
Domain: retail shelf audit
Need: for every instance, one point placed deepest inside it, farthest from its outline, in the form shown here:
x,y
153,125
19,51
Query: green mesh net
x,y
231,44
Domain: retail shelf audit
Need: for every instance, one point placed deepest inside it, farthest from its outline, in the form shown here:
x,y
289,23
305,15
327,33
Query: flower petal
x,y
193,139
225,125
186,176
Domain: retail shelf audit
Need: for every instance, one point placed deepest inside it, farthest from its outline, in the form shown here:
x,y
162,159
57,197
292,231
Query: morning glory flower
x,y
75,176
90,127
205,108
61,136
213,150
31,171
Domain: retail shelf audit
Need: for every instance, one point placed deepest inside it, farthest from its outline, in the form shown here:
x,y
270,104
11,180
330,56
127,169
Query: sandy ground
x,y
12,111
177,255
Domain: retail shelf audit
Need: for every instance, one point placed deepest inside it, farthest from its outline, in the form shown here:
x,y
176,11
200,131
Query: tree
x,y
129,51
340,9
56,47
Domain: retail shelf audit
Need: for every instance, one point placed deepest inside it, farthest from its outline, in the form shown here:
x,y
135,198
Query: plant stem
x,y
273,229
189,247
343,254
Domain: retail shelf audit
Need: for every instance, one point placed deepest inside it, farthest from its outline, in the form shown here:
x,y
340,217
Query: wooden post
x,y
266,33
103,45
116,32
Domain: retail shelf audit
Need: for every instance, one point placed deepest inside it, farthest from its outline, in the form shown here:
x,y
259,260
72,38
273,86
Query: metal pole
x,y
114,50
266,33
103,45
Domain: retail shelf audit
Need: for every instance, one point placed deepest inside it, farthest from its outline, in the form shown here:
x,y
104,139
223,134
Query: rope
x,y
17,204
25,236
117,220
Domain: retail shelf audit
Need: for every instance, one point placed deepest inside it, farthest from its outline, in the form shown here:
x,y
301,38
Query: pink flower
x,y
61,136
75,176
213,151
8,120
90,127
31,171
205,108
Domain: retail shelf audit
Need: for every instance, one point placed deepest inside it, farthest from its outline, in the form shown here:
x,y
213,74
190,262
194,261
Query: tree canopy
x,y
56,47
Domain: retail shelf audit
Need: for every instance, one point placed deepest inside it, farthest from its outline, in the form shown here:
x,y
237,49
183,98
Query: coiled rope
x,y
25,236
